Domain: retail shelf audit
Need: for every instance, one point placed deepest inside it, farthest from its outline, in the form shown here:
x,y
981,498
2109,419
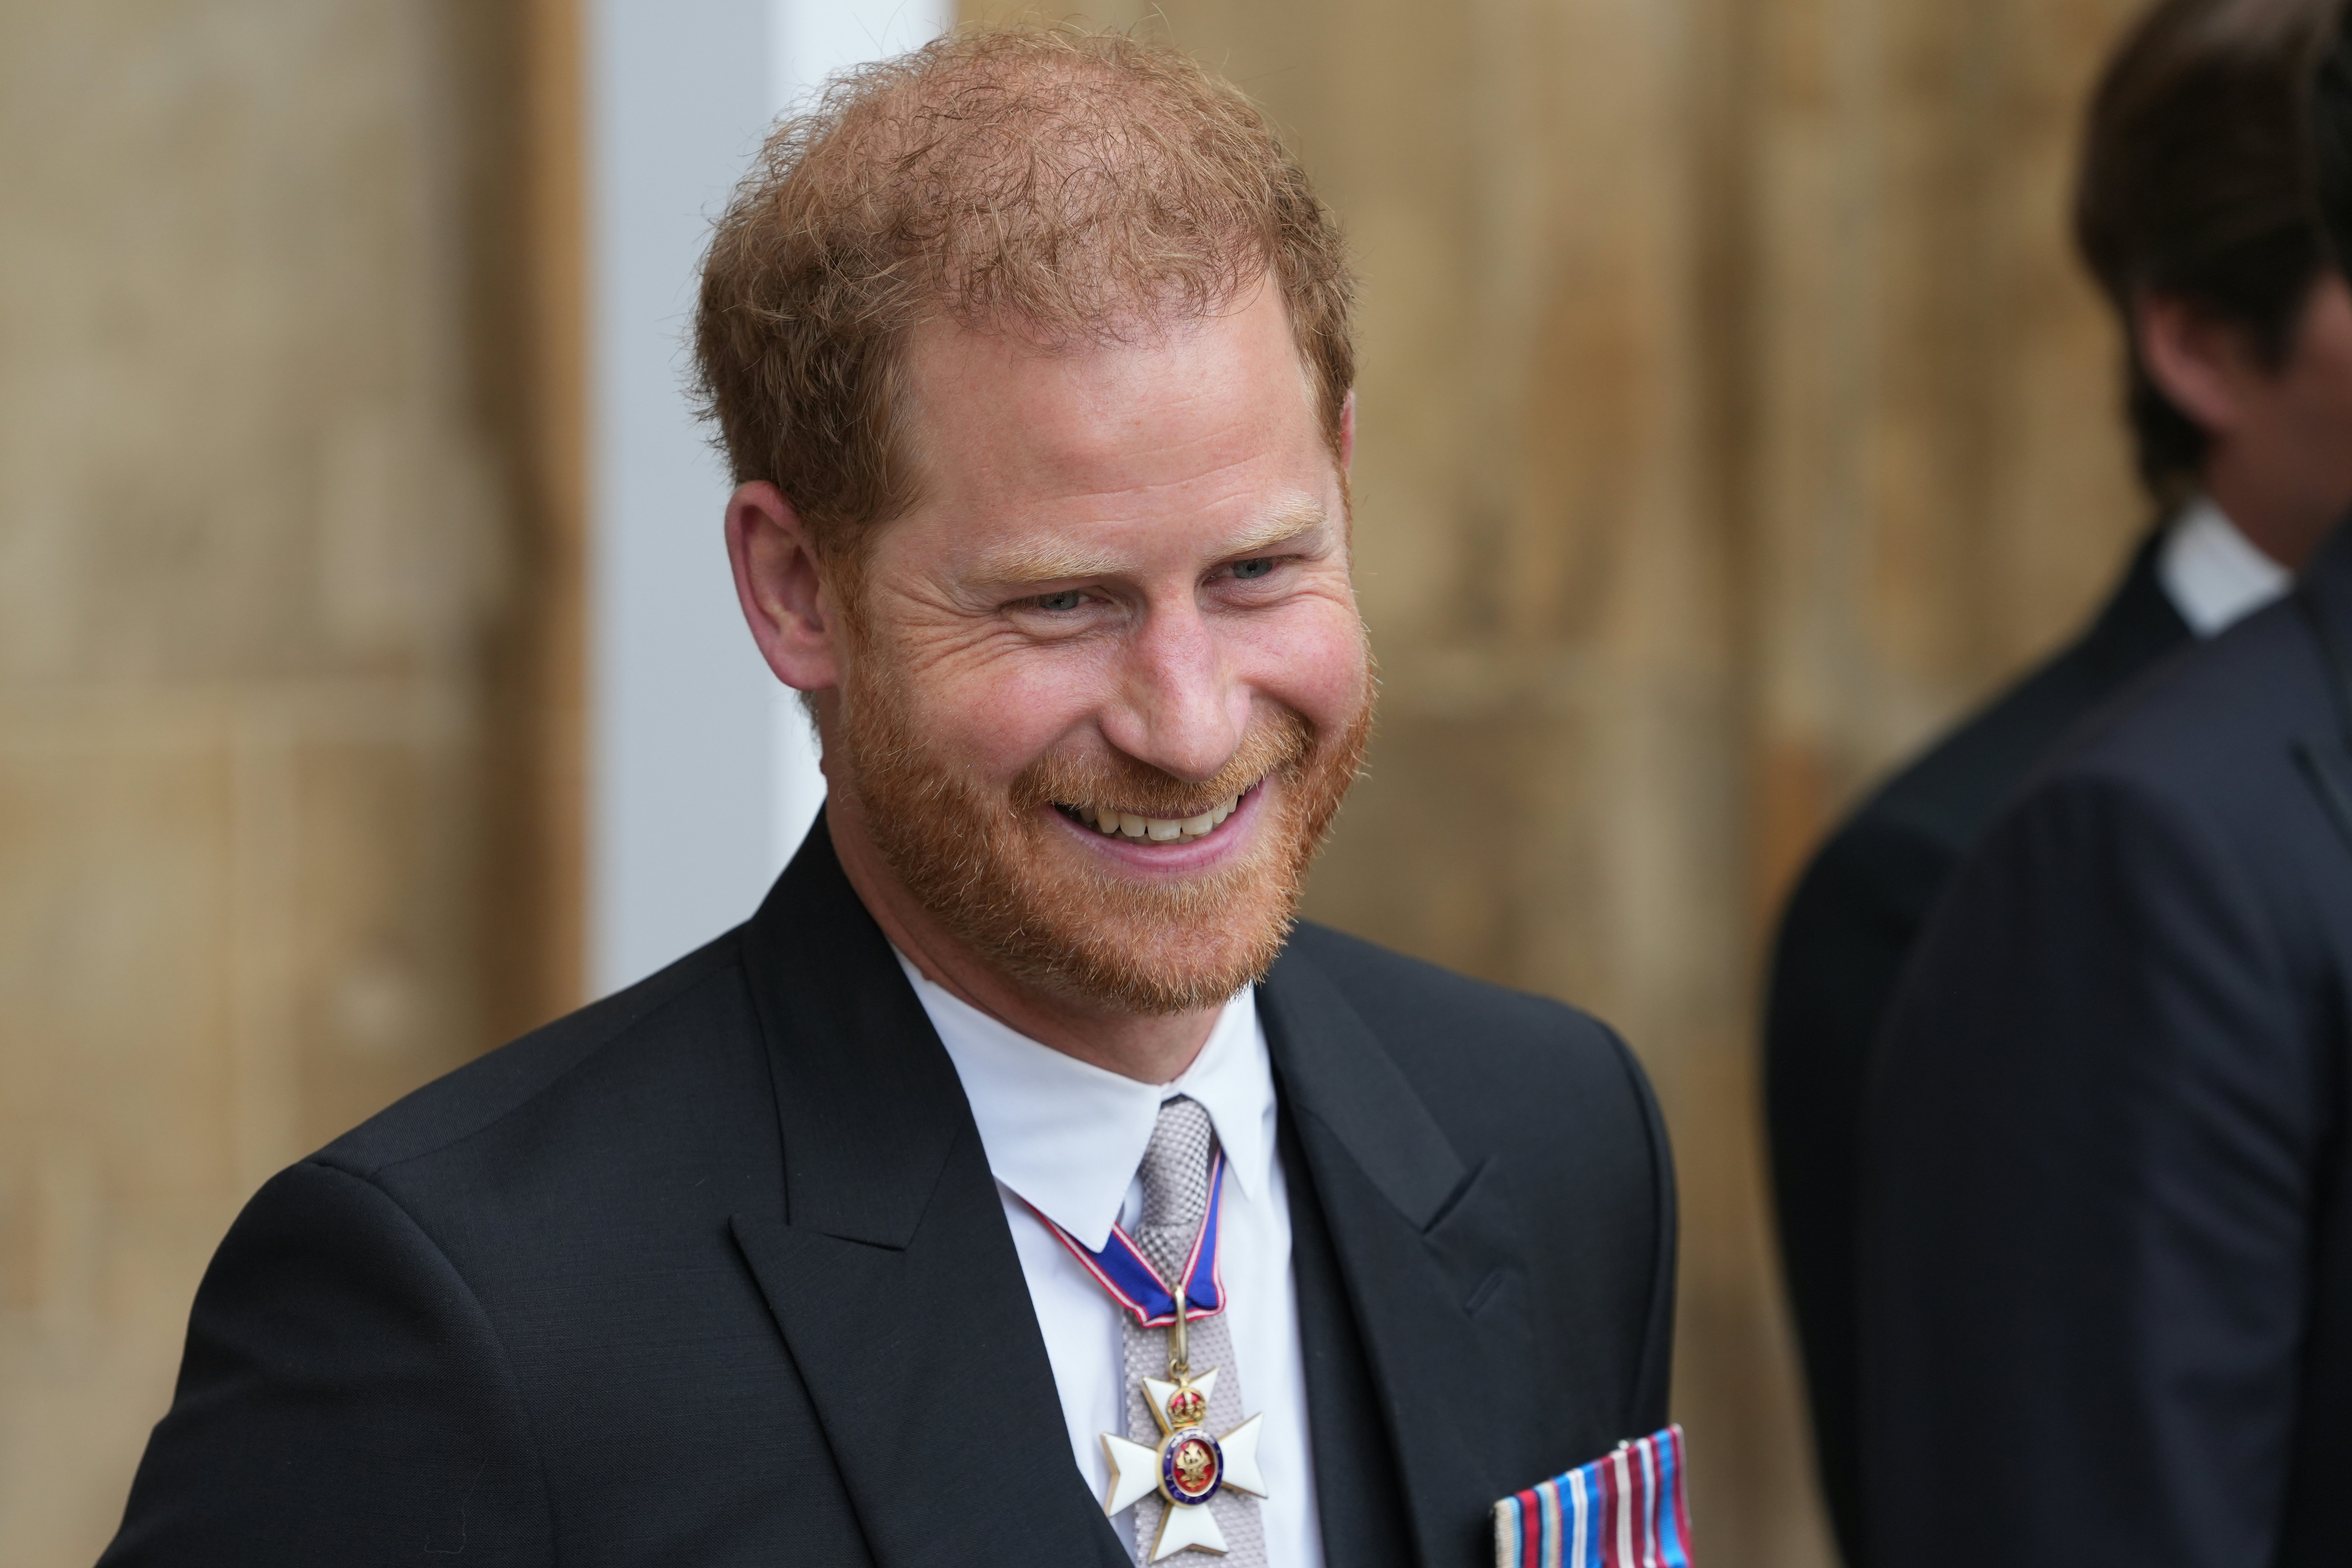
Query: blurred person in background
x,y
1020,1185
2191,212
2106,1238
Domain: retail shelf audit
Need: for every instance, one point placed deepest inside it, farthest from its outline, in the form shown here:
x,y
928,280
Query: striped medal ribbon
x,y
1624,1509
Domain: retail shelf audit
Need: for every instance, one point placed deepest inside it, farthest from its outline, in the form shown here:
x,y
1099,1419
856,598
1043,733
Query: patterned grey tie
x,y
1175,1175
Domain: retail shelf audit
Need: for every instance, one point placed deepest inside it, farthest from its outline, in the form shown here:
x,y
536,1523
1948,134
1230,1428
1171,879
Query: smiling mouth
x,y
1110,821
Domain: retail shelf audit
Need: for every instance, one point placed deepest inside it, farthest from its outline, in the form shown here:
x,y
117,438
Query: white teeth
x,y
1159,829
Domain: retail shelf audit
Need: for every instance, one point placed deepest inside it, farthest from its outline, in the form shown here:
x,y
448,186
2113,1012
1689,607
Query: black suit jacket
x,y
714,1272
1843,938
2106,1249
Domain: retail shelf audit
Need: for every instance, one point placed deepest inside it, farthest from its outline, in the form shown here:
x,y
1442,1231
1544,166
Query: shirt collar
x,y
1067,1136
2212,574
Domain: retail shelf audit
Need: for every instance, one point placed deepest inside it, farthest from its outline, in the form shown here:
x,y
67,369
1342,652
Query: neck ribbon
x,y
1121,1268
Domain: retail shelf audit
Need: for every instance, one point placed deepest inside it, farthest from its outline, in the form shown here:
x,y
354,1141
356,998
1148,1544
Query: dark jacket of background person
x,y
2192,196
2106,1246
715,1272
1849,928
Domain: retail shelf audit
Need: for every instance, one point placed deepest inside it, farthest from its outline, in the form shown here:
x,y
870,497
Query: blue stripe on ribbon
x,y
1577,1520
1129,1276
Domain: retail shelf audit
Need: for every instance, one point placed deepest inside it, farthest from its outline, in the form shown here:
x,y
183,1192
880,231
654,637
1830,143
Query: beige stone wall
x,y
1939,480
263,475
1732,415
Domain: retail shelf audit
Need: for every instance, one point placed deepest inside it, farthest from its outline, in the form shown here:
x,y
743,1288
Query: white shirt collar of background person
x,y
2212,574
1068,1137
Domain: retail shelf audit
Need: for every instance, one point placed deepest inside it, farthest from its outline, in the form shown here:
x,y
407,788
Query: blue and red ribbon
x,y
1121,1268
1625,1510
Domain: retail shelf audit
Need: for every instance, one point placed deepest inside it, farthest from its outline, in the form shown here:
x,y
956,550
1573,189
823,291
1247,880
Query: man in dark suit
x,y
2106,1249
2190,211
1017,1187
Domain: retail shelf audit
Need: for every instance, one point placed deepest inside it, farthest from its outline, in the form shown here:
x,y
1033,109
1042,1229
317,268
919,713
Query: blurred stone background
x,y
1733,413
276,735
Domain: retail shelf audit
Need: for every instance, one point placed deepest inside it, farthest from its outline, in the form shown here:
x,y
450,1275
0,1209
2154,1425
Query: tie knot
x,y
1175,1176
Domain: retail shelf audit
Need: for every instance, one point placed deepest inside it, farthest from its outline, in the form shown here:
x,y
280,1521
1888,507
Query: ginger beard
x,y
985,861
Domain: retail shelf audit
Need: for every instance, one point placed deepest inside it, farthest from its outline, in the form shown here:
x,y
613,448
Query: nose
x,y
1179,705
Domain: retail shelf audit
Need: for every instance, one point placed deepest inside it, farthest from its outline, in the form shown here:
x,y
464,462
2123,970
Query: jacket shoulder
x,y
1952,792
1464,1041
1881,870
1390,987
2195,726
496,1086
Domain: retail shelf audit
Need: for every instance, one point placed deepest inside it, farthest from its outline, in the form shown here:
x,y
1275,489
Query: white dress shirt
x,y
1068,1137
2212,574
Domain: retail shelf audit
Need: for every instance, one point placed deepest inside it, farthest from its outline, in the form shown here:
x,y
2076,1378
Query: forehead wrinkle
x,y
1056,562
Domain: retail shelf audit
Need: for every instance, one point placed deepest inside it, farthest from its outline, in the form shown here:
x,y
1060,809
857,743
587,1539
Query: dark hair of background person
x,y
2331,139
2193,185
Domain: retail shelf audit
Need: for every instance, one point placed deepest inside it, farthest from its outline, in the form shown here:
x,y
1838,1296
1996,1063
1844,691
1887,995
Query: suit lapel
x,y
2323,600
892,1275
1423,1268
1356,1493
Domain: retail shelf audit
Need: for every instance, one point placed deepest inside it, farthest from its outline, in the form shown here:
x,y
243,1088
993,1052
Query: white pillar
x,y
809,40
702,772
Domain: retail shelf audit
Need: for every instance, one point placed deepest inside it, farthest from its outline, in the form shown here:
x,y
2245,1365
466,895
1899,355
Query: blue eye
x,y
1068,599
1246,570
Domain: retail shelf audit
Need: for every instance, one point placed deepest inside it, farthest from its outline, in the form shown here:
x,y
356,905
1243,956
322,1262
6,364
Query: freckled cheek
x,y
1313,665
1007,720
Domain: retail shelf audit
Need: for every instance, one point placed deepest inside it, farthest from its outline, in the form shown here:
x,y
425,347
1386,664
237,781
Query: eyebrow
x,y
1022,565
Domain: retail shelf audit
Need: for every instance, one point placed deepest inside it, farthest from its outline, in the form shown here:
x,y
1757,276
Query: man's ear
x,y
1347,431
2202,363
781,589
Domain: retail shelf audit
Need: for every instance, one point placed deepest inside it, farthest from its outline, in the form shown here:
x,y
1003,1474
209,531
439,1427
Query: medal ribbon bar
x,y
1624,1509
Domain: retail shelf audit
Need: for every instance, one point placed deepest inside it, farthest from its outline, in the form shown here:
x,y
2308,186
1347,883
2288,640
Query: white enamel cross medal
x,y
1190,1466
